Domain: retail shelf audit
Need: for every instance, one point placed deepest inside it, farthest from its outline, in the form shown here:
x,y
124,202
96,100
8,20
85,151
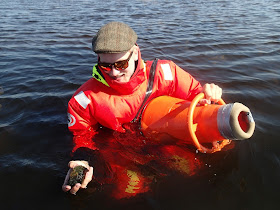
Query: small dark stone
x,y
77,175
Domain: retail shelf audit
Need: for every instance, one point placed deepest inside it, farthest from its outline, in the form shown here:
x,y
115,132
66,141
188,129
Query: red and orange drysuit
x,y
103,102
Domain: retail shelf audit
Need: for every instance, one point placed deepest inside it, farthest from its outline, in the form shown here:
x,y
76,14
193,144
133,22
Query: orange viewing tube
x,y
166,116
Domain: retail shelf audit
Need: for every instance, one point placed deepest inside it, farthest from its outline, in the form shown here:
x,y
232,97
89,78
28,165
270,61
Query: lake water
x,y
46,55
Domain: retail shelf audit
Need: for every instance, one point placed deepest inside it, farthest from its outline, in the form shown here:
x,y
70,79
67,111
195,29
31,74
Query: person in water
x,y
118,89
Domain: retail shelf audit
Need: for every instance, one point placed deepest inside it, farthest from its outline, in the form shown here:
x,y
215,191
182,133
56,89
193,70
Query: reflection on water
x,y
46,55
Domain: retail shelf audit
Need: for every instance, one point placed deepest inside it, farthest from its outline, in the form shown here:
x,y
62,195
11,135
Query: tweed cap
x,y
114,37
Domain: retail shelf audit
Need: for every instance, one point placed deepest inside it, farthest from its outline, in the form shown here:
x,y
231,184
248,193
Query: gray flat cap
x,y
114,37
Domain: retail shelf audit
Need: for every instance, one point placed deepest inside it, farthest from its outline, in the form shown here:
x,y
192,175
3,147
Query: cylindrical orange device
x,y
168,116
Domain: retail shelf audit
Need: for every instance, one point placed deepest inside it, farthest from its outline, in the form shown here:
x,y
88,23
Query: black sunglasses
x,y
119,65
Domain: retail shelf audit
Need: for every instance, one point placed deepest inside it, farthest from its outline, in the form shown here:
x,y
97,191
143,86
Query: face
x,y
121,76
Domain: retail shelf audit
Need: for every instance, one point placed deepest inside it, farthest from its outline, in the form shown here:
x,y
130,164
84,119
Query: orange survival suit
x,y
102,101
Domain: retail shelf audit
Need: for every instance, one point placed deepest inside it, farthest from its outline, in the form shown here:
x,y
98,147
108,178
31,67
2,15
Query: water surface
x,y
46,55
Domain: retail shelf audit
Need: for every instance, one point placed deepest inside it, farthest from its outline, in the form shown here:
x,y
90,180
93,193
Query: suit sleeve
x,y
83,126
185,86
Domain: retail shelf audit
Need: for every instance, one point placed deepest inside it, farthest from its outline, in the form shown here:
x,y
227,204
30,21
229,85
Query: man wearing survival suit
x,y
118,89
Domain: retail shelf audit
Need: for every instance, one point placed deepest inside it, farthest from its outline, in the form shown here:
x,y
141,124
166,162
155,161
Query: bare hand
x,y
88,177
212,92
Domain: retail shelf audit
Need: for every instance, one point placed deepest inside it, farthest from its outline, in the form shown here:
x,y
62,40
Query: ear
x,y
135,52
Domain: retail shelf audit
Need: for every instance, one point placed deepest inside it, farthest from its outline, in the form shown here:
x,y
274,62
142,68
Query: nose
x,y
114,72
